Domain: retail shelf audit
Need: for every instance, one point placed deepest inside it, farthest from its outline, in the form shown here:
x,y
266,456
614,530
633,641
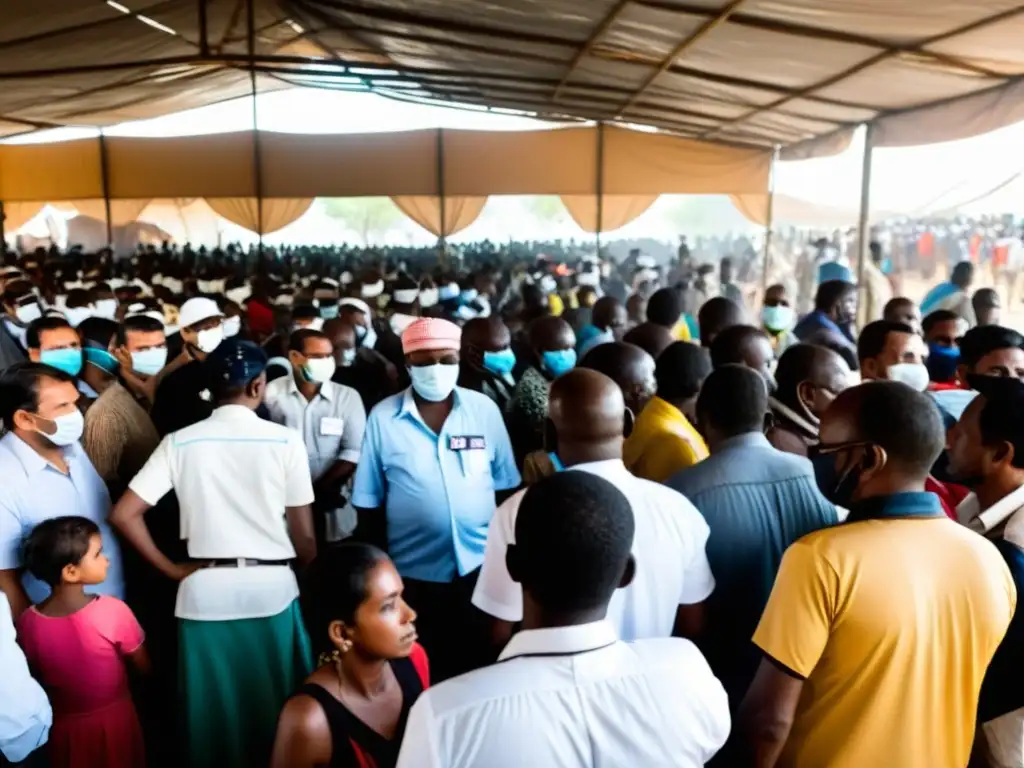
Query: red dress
x,y
78,659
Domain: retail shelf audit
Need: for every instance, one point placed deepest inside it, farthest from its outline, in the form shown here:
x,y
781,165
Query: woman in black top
x,y
352,710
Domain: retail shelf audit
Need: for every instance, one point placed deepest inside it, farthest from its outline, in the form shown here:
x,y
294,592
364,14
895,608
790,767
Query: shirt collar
x,y
994,516
896,505
31,461
560,641
233,412
746,440
603,468
325,390
408,404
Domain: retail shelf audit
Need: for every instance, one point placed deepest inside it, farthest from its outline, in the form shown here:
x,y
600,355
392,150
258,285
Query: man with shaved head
x,y
629,367
883,626
550,352
808,378
673,579
715,316
487,359
745,345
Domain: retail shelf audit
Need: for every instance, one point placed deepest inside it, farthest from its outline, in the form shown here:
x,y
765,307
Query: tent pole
x,y
105,182
442,240
204,45
3,235
600,185
256,168
769,223
863,225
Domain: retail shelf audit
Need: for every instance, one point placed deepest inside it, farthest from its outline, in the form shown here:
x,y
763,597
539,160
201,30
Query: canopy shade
x,y
795,73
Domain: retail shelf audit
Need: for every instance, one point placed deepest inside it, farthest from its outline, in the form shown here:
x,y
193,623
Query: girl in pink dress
x,y
77,646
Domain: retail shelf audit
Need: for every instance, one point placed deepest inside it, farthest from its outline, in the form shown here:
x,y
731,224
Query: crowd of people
x,y
530,511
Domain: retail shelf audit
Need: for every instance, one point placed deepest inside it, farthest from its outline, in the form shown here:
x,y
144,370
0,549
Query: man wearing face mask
x,y
52,341
183,395
331,419
808,378
551,348
778,319
942,331
45,473
245,492
364,370
21,307
673,579
103,301
848,638
487,359
831,322
435,457
142,352
889,351
607,323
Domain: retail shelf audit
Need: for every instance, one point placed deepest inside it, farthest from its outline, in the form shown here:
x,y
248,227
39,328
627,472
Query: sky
x,y
905,180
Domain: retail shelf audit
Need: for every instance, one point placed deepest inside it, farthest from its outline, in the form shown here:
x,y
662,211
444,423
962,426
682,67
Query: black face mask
x,y
838,489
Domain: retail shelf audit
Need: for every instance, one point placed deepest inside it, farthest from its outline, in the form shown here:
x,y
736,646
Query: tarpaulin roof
x,y
796,73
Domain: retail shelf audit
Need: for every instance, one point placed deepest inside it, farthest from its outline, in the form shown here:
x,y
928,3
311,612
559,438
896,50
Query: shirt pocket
x,y
476,464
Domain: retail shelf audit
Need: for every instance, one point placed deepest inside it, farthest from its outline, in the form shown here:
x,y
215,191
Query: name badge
x,y
331,426
466,443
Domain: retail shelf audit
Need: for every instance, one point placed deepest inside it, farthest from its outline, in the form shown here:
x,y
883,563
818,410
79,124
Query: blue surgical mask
x,y
778,318
329,311
558,361
67,360
149,362
348,357
103,360
500,363
434,382
556,462
942,362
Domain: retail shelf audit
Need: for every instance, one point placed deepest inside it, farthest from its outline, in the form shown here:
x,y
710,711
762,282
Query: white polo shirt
x,y
234,474
332,423
668,544
573,697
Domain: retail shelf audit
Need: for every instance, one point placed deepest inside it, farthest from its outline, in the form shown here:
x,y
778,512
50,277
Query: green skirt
x,y
234,678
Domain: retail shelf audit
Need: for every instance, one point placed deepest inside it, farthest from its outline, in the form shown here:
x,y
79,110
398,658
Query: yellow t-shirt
x,y
662,443
892,622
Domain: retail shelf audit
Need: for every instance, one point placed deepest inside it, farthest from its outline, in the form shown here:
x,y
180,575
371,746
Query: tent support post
x,y
442,239
863,225
600,185
204,44
3,235
257,171
769,224
105,182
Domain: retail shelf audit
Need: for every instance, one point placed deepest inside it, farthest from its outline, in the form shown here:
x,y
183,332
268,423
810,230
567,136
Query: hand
x,y
184,570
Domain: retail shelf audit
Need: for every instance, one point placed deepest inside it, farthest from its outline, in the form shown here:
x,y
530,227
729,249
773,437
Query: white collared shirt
x,y
573,697
669,547
25,714
234,474
331,424
1001,520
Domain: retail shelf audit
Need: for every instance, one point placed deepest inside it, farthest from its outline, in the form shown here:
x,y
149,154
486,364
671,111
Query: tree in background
x,y
546,209
371,218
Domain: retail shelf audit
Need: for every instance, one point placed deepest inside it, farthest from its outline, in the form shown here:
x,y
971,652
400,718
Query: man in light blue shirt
x,y
433,459
25,714
45,473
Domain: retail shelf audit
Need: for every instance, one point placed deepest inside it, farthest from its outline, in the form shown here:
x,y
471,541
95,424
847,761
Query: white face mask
x,y
26,313
69,429
77,315
106,308
320,369
232,326
914,375
210,339
369,339
348,357
434,382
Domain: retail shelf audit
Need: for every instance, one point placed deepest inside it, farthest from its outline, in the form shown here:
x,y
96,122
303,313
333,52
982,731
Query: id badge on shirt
x,y
472,450
332,427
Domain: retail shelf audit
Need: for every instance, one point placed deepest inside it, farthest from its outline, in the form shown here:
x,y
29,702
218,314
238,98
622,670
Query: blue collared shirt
x,y
437,490
32,490
757,501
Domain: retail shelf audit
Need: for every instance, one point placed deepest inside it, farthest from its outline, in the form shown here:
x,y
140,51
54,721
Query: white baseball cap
x,y
196,310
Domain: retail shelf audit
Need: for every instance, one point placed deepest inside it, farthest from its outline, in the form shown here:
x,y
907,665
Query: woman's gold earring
x,y
326,658
346,646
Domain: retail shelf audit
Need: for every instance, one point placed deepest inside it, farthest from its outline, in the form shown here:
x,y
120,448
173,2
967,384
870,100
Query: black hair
x,y
574,532
617,360
305,312
715,316
1001,419
19,388
77,297
904,422
334,587
893,306
936,317
962,275
603,311
16,290
985,298
138,323
986,339
733,400
830,293
297,341
873,338
97,331
37,327
56,543
664,308
681,370
729,345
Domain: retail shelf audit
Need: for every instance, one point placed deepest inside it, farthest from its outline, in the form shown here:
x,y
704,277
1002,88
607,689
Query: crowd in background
x,y
520,505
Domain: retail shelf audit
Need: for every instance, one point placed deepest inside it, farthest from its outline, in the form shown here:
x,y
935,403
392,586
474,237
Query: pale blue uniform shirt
x,y
437,490
32,490
25,714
